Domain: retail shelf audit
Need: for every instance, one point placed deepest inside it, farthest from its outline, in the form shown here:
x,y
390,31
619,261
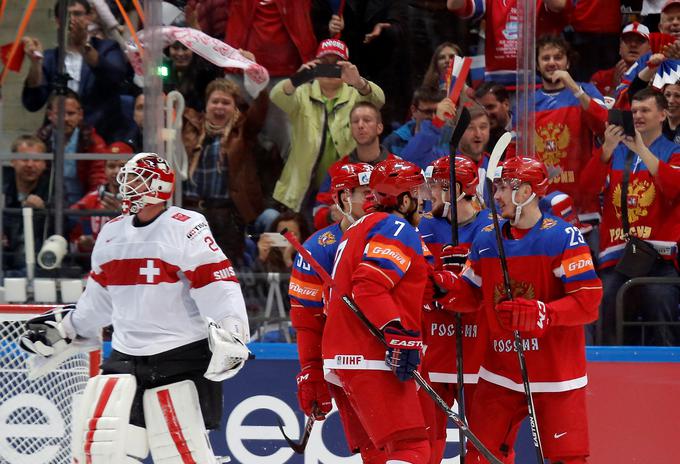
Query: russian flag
x,y
459,67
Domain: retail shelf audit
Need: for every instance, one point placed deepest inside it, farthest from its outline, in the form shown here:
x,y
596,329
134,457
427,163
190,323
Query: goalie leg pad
x,y
177,433
102,433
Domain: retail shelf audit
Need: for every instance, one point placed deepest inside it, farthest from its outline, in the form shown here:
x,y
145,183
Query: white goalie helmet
x,y
146,179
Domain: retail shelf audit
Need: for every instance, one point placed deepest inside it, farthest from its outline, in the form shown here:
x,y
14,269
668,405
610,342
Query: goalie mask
x,y
147,179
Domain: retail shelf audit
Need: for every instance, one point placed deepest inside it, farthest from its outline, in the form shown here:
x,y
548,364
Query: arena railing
x,y
622,323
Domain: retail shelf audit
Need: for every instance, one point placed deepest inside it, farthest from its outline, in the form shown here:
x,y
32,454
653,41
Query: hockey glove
x,y
51,339
229,351
403,350
454,257
531,316
313,395
46,335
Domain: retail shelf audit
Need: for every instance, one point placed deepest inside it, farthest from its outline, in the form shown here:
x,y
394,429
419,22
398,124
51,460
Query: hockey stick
x,y
299,448
453,198
438,400
496,154
462,426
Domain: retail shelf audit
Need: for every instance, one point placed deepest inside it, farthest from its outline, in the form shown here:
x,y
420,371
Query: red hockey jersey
x,y
551,263
652,201
379,263
439,360
564,140
502,30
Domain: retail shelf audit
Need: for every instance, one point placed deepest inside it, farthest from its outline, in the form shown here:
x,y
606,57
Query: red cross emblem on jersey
x,y
150,271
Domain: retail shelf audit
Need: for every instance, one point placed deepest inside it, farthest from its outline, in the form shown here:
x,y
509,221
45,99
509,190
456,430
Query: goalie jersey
x,y
156,283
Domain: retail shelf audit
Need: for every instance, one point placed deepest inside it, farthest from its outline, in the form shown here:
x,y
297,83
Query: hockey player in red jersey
x,y
439,325
380,264
555,293
349,188
180,328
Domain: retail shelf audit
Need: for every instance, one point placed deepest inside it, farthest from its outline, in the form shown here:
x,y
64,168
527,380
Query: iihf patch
x,y
326,239
180,217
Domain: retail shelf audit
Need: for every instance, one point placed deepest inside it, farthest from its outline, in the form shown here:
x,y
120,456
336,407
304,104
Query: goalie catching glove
x,y
47,335
227,341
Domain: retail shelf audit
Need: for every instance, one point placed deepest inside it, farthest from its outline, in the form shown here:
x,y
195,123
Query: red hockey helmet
x,y
146,179
466,173
348,176
518,170
392,177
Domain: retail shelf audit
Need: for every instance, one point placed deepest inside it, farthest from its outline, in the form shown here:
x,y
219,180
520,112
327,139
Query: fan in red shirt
x,y
105,197
633,44
502,29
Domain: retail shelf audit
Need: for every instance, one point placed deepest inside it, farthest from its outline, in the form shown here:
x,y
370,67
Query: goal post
x,y
36,416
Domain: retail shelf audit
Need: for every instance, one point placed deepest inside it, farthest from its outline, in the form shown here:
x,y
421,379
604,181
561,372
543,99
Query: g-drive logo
x,y
43,434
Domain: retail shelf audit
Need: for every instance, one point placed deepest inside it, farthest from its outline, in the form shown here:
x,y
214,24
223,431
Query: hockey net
x,y
36,415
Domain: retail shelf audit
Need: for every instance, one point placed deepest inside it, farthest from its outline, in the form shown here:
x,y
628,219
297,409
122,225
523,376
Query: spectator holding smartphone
x,y
105,198
274,253
319,108
95,67
637,176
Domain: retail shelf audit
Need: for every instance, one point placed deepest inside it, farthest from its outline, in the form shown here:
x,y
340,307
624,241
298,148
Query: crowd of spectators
x,y
365,80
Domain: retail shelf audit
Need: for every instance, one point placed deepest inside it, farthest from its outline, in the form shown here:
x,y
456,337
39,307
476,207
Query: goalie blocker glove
x,y
47,334
403,350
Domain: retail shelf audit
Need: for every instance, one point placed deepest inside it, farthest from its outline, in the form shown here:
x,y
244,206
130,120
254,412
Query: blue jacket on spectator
x,y
425,146
398,139
99,89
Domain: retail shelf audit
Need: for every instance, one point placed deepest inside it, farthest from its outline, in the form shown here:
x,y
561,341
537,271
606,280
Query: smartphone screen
x,y
327,70
623,119
277,240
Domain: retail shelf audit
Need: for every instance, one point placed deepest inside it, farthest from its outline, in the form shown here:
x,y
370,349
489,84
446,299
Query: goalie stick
x,y
327,279
496,154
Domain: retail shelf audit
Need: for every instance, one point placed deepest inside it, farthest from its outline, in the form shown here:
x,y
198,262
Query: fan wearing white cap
x,y
663,45
180,328
633,44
